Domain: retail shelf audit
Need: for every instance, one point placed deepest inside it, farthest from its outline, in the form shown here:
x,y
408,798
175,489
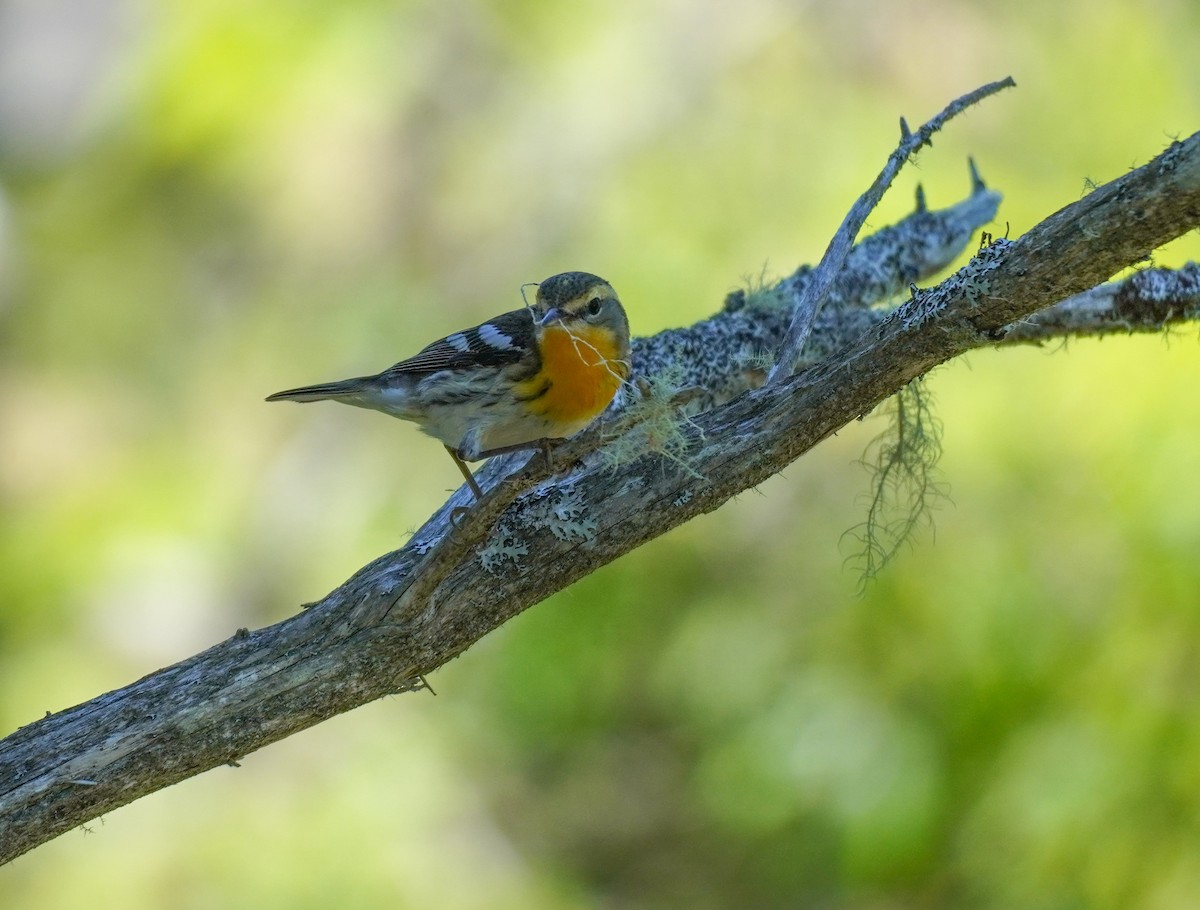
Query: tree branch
x,y
410,611
1151,300
809,304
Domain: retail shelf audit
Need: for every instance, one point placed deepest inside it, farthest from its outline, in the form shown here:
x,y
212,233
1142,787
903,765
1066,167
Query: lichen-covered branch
x,y
809,303
731,352
410,611
728,353
1151,300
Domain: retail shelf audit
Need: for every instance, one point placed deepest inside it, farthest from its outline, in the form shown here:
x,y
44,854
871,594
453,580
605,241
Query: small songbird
x,y
518,381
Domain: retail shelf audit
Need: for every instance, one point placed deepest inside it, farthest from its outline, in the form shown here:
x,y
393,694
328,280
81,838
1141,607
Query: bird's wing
x,y
500,341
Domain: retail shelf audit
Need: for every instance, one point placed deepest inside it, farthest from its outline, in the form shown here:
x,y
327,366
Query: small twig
x,y
817,290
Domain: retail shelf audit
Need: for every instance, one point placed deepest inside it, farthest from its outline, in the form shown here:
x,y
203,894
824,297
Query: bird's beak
x,y
554,315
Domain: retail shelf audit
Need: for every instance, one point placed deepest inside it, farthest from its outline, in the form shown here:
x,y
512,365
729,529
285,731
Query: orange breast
x,y
584,371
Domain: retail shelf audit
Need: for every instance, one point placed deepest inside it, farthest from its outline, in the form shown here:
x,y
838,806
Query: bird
x,y
521,380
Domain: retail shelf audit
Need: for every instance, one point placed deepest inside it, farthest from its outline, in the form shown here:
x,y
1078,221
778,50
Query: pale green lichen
x,y
760,292
564,512
759,362
661,425
560,509
905,487
504,547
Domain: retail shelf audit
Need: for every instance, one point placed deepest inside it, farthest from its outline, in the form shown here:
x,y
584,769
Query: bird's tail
x,y
343,390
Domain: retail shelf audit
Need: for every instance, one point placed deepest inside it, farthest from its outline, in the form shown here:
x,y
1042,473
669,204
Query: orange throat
x,y
585,369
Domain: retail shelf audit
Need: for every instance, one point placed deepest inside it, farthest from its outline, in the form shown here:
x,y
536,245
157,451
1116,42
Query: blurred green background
x,y
204,202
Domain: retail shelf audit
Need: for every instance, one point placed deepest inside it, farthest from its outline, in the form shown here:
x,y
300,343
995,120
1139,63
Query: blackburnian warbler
x,y
518,381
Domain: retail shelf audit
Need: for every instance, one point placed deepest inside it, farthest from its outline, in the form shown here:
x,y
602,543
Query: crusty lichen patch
x,y
560,508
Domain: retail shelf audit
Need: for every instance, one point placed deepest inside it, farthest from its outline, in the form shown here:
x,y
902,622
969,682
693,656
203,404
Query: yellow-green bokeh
x,y
201,203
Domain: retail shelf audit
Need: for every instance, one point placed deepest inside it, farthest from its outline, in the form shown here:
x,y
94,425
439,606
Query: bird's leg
x,y
466,473
544,444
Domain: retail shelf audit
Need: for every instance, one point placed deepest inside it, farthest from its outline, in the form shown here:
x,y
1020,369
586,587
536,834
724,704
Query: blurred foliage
x,y
201,203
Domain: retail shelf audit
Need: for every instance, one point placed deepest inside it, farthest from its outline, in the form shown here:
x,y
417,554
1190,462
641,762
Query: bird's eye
x,y
593,307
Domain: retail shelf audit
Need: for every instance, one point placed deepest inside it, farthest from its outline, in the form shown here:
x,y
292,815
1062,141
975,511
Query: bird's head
x,y
579,299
